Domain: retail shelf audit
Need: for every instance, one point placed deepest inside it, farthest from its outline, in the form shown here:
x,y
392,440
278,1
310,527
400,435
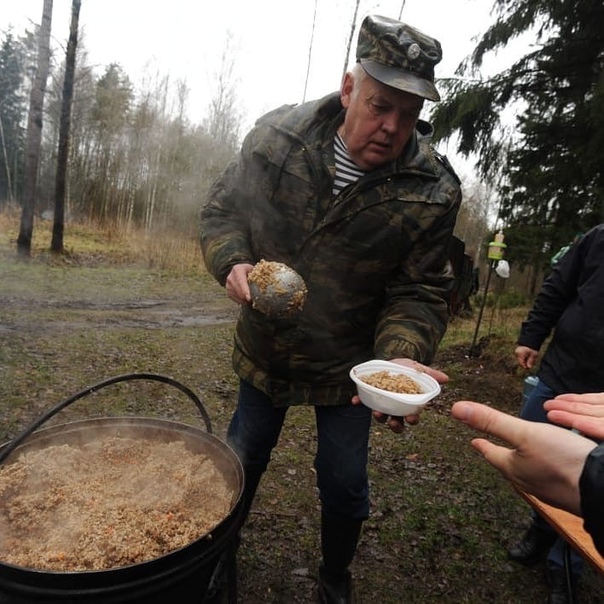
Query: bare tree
x,y
9,184
58,228
223,122
34,133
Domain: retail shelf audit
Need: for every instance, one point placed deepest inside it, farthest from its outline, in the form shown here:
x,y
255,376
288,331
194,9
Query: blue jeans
x,y
533,410
341,456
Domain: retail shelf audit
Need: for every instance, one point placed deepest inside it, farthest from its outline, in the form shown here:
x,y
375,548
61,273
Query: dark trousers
x,y
340,459
533,410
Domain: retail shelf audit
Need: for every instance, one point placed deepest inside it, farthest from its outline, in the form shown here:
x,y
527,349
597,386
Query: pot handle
x,y
17,440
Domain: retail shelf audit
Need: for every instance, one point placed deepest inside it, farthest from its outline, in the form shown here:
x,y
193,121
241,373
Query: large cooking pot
x,y
181,576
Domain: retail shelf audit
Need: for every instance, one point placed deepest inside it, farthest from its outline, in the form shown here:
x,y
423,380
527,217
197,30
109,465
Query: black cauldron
x,y
181,576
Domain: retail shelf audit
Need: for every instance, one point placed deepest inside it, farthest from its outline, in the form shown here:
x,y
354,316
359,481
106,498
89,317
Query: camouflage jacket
x,y
374,258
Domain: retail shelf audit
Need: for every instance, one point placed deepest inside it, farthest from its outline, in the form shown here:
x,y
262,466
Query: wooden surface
x,y
570,527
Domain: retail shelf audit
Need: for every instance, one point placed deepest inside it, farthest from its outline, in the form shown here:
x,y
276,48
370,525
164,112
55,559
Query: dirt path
x,y
439,514
31,315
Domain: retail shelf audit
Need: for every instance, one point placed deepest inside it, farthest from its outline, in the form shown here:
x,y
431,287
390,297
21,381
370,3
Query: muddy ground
x,y
441,518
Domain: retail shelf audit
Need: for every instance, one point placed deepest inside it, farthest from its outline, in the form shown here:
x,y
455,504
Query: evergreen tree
x,y
549,166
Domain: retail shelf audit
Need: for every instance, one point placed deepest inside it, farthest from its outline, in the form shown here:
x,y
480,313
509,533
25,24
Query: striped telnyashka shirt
x,y
347,172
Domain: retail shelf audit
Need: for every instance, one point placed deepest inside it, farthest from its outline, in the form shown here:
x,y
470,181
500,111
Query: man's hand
x,y
237,287
581,412
397,424
543,460
526,357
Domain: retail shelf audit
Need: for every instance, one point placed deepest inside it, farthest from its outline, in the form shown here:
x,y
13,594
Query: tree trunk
x,y
9,186
56,245
34,133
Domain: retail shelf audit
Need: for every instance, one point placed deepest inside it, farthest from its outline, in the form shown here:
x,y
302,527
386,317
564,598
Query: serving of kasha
x,y
392,382
109,503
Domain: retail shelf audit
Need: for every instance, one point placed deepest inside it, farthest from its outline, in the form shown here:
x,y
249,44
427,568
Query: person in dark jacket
x,y
569,305
561,467
347,191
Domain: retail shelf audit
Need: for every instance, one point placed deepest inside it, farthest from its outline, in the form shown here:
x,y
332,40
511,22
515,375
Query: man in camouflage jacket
x,y
373,257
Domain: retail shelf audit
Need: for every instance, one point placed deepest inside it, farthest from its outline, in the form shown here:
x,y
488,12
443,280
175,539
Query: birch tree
x,y
224,120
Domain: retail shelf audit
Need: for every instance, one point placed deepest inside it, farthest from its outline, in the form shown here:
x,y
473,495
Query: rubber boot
x,y
250,486
563,586
534,545
223,583
339,539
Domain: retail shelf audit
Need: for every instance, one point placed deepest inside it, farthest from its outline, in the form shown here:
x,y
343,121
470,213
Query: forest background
x,y
533,132
128,292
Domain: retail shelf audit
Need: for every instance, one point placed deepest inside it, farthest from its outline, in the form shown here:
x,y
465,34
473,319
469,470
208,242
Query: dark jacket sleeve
x,y
558,289
591,488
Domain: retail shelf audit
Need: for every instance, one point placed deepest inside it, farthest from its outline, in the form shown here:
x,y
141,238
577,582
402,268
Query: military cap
x,y
399,55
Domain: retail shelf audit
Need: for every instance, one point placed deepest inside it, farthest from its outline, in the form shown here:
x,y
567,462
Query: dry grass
x,y
110,243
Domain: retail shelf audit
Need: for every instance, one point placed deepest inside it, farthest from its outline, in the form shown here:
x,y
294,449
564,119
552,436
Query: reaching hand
x,y
544,460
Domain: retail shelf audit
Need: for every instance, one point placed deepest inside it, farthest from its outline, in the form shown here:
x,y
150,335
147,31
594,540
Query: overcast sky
x,y
186,38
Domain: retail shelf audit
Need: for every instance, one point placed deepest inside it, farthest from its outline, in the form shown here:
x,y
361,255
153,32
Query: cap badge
x,y
413,52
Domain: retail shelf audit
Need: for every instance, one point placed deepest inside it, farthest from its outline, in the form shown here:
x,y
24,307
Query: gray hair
x,y
358,77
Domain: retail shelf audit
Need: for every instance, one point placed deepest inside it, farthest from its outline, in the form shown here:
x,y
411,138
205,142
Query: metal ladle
x,y
276,289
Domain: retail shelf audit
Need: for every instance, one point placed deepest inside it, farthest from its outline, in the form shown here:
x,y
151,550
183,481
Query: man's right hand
x,y
542,459
237,287
527,357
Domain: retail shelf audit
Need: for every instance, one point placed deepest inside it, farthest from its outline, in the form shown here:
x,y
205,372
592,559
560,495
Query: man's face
x,y
379,120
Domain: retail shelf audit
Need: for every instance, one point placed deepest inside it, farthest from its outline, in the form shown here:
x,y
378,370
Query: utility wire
x,y
312,36
400,15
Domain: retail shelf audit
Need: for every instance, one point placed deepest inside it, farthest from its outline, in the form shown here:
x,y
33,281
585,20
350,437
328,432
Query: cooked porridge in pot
x,y
108,503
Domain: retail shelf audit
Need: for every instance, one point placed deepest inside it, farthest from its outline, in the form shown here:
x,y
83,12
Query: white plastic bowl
x,y
393,403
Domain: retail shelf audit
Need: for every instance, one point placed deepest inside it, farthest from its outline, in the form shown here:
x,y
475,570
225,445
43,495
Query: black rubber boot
x,y
223,583
335,588
563,586
250,486
534,546
339,539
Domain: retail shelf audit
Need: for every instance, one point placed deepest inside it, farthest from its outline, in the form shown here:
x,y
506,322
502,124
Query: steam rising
x,y
107,503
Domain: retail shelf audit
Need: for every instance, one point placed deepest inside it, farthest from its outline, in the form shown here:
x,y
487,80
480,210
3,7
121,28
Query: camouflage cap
x,y
399,56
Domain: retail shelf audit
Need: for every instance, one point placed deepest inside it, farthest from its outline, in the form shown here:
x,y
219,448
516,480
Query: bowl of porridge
x,y
393,389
